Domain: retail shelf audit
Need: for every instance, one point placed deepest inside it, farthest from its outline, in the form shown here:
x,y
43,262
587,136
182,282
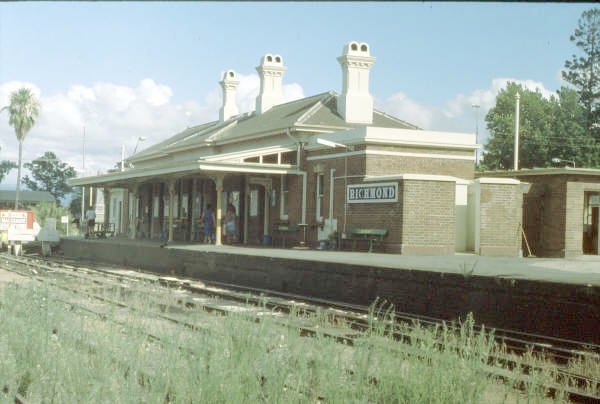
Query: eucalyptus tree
x,y
582,71
23,110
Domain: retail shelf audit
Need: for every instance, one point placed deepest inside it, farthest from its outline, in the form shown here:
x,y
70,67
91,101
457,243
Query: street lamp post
x,y
82,187
476,107
139,139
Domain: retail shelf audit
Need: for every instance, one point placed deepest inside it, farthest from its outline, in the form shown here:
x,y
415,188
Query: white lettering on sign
x,y
372,193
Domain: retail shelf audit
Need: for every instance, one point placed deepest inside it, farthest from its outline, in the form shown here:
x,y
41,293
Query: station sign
x,y
16,219
381,192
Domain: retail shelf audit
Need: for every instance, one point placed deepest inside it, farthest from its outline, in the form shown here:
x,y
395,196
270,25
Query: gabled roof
x,y
316,112
26,196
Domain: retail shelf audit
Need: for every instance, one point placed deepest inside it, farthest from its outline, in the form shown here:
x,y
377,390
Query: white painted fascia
x,y
544,171
245,168
239,155
186,167
407,137
501,181
389,153
415,177
134,173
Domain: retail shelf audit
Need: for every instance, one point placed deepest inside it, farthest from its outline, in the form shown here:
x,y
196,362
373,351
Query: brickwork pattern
x,y
428,217
501,212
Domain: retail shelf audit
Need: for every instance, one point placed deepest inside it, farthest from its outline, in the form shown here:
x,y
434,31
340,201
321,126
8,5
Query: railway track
x,y
349,320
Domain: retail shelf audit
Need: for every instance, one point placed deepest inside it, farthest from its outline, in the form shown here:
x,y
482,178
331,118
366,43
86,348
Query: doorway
x,y
591,223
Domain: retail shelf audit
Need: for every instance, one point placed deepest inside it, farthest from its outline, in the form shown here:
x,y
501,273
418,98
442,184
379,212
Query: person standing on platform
x,y
208,218
90,219
230,227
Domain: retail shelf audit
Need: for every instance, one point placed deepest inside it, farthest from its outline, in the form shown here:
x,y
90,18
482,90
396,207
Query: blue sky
x,y
149,69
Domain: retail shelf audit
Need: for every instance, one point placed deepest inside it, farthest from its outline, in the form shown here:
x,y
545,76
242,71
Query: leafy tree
x,y
23,110
583,70
45,210
548,128
534,128
5,167
569,139
75,205
49,174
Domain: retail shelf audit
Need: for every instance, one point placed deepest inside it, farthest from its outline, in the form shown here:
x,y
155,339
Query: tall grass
x,y
51,351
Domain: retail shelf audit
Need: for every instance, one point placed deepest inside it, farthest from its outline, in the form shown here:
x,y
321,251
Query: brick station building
x,y
561,210
315,169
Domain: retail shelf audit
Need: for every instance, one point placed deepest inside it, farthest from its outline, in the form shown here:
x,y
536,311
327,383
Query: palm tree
x,y
23,109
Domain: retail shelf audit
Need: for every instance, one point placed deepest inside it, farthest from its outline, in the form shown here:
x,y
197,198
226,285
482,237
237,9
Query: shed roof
x,y
26,196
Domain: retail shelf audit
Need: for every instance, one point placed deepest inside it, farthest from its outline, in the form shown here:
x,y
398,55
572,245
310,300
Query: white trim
x,y
410,137
503,181
391,153
335,155
543,171
282,214
265,169
414,177
234,156
320,196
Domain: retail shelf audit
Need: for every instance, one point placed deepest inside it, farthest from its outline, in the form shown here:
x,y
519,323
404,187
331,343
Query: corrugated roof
x,y
26,196
318,110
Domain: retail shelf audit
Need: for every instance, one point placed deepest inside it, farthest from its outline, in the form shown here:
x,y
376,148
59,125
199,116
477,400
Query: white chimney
x,y
271,71
229,85
355,104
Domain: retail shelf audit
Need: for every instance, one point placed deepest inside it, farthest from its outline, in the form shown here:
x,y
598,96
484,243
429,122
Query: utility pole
x,y
517,98
82,187
476,108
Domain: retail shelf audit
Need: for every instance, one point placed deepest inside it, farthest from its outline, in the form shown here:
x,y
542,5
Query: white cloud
x,y
458,113
113,115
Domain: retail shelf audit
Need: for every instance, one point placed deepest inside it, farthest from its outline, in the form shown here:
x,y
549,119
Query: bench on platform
x,y
284,231
101,230
373,236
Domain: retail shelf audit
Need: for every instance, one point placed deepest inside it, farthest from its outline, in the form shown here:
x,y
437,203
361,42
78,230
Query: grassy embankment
x,y
52,351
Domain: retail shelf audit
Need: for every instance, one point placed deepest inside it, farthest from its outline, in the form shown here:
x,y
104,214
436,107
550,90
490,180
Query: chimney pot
x,y
355,104
270,71
229,86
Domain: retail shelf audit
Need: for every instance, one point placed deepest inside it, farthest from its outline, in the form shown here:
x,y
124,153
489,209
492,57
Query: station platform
x,y
584,270
554,297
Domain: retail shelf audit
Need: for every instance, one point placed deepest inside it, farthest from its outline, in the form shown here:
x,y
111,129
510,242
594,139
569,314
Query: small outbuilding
x,y
561,210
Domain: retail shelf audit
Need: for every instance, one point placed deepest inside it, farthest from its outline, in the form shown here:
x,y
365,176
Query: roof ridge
x,y
312,110
301,99
221,130
377,111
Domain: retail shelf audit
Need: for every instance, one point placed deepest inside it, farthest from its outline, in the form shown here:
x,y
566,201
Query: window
x,y
283,211
165,206
320,196
254,202
184,205
155,206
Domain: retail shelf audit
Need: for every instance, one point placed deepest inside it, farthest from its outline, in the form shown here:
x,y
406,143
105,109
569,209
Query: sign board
x,y
64,219
594,200
16,219
380,192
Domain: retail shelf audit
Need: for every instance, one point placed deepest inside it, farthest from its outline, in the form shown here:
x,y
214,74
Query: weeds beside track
x,y
343,323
